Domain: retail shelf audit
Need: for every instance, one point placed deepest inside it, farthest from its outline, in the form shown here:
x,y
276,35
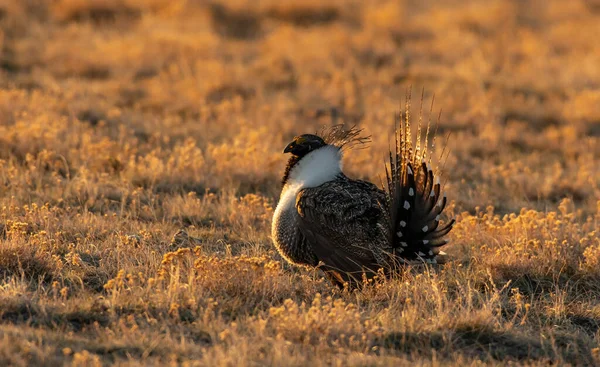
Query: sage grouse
x,y
352,228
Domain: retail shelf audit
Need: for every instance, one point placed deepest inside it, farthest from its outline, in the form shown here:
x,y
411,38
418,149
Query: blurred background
x,y
101,99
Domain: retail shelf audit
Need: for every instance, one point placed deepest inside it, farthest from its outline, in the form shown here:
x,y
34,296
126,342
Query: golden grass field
x,y
124,121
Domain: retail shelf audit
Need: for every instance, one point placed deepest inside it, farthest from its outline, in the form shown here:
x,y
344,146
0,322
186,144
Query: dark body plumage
x,y
352,228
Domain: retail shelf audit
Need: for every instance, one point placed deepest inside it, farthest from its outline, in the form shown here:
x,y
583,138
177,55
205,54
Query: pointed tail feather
x,y
413,194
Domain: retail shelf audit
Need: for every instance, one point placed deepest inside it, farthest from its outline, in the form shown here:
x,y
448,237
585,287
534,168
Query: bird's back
x,y
337,224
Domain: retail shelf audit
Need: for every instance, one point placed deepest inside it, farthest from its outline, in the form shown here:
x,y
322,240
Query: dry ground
x,y
123,121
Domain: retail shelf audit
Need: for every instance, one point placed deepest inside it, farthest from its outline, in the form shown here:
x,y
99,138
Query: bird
x,y
352,229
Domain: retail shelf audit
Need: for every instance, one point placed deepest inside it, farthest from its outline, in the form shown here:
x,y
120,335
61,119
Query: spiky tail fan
x,y
413,195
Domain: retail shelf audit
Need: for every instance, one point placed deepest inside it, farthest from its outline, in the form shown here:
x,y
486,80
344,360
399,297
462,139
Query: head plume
x,y
344,137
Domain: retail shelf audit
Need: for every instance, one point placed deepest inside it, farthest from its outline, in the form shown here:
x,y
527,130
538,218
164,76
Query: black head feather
x,y
304,144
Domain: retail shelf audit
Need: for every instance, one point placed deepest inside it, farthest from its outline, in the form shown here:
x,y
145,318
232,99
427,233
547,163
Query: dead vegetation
x,y
123,122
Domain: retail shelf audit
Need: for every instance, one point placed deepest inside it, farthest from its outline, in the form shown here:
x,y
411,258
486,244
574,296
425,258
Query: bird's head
x,y
304,144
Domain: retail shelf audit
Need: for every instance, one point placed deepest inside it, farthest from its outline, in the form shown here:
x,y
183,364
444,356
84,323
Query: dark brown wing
x,y
340,222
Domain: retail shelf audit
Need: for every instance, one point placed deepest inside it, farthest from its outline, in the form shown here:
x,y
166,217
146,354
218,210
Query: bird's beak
x,y
289,147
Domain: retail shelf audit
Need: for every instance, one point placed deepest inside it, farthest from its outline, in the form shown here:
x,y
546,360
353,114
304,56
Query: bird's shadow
x,y
480,341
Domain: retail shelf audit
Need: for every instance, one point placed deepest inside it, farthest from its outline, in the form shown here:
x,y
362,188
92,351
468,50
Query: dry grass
x,y
123,121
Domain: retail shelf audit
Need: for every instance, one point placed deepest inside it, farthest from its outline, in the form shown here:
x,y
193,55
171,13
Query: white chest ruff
x,y
313,170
